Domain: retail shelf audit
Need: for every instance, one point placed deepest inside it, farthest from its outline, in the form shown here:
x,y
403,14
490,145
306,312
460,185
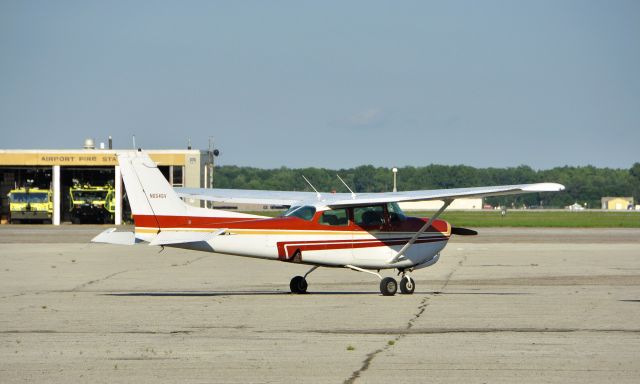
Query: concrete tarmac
x,y
510,305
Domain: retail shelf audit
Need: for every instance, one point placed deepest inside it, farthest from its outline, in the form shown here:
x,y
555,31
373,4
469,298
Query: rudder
x,y
149,193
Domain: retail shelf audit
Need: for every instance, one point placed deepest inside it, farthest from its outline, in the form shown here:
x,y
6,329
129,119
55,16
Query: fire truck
x,y
91,204
30,205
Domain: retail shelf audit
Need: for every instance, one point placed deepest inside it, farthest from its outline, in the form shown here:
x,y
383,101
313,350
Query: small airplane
x,y
365,232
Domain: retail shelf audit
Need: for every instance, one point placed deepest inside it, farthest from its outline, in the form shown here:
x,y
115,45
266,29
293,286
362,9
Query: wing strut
x,y
415,237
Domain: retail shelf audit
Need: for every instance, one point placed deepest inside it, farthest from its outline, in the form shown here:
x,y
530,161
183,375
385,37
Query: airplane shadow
x,y
229,293
482,293
272,293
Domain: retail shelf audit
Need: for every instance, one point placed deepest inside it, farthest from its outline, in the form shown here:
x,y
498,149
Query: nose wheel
x,y
407,285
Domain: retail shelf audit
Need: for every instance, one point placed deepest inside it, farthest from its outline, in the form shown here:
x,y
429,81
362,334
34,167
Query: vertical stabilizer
x,y
149,193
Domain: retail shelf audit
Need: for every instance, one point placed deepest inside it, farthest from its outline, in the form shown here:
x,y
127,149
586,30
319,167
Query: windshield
x,y
395,213
305,212
33,197
89,195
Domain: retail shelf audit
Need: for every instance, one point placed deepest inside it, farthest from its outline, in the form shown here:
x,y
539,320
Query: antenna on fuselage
x,y
353,195
311,185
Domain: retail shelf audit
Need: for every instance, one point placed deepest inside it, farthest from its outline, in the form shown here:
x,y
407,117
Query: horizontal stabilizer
x,y
110,236
182,237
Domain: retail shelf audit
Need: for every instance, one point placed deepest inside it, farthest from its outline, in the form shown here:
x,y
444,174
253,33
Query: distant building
x,y
575,207
56,170
617,203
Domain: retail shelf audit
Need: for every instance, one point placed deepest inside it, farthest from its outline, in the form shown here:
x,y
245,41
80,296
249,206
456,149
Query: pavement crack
x,y
97,280
133,332
422,307
435,331
188,262
365,365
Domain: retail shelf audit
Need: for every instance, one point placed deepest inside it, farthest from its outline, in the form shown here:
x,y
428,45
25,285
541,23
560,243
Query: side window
x,y
336,217
395,213
369,216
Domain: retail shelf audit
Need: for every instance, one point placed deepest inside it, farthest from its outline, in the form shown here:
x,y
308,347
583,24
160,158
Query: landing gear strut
x,y
388,285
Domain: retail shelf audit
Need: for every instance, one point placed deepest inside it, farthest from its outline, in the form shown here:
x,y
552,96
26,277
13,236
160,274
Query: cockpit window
x,y
304,212
336,217
395,213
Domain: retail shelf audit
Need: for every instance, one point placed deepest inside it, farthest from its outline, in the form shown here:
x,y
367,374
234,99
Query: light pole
x,y
395,174
213,153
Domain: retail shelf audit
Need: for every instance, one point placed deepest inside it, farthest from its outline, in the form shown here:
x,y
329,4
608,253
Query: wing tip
x,y
544,187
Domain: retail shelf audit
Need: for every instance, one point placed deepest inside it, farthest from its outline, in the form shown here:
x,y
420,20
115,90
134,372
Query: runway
x,y
510,305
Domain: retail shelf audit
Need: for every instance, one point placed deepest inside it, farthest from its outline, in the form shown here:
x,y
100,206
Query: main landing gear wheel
x,y
407,285
298,285
388,286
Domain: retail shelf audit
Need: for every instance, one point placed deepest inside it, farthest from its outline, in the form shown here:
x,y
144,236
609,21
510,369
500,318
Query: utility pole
x,y
212,154
210,162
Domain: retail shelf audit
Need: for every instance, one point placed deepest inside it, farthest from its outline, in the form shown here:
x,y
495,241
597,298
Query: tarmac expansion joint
x,y
422,307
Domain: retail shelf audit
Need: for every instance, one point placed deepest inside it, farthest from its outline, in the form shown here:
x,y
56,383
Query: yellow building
x,y
617,203
57,170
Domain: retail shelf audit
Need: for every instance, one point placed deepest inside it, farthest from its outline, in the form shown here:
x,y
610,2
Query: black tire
x,y
407,285
388,286
298,285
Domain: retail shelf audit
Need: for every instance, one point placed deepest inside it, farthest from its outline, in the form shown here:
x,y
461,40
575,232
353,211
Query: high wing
x,y
335,200
249,196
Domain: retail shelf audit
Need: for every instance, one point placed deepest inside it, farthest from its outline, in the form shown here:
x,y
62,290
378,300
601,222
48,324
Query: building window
x,y
178,180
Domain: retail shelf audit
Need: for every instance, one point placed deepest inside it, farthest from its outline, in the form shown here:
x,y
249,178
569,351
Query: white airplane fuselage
x,y
291,239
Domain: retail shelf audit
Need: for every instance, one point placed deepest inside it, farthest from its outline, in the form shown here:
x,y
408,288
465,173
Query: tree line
x,y
586,184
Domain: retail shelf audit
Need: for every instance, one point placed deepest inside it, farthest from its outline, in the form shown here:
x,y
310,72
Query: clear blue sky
x,y
329,84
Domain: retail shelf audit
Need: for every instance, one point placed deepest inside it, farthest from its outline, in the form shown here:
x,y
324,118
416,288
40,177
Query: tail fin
x,y
150,195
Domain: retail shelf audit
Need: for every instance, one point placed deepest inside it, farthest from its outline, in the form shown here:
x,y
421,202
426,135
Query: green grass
x,y
532,218
565,219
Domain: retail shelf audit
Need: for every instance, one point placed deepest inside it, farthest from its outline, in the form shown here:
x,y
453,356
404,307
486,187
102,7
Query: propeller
x,y
463,231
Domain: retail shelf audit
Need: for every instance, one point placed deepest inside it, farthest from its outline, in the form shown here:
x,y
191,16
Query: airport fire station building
x,y
58,171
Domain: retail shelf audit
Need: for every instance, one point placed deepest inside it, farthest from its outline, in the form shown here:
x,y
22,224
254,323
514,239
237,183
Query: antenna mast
x,y
311,185
353,195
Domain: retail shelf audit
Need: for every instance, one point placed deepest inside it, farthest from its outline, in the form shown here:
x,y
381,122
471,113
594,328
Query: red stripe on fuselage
x,y
286,249
411,224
